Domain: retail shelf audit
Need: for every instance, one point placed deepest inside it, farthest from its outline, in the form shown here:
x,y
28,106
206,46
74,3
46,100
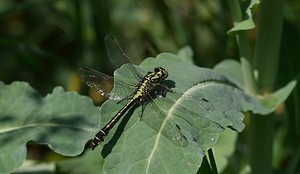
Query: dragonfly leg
x,y
140,76
143,109
161,92
166,87
125,98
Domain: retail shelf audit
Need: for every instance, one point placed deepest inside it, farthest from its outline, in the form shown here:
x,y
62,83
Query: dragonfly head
x,y
161,72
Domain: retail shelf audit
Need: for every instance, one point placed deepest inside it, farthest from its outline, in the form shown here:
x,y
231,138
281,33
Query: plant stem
x,y
260,143
212,161
268,44
266,63
244,50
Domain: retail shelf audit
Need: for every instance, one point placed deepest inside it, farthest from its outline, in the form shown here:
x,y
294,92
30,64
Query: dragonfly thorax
x,y
152,79
159,74
149,82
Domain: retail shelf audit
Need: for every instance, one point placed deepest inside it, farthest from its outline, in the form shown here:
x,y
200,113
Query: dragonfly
x,y
146,89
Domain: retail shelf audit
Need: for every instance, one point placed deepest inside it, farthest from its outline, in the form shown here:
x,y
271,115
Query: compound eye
x,y
165,72
162,71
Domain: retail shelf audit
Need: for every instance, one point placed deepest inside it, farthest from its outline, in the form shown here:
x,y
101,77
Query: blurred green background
x,y
43,42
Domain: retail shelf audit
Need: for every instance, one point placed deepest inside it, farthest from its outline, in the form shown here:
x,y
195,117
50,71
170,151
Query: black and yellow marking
x,y
146,85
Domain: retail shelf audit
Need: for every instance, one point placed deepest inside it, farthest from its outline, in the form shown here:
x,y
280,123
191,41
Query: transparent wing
x,y
160,122
177,103
175,98
103,83
118,57
187,107
97,80
198,104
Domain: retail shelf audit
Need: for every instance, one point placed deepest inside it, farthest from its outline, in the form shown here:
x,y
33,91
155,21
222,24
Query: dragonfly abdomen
x,y
99,137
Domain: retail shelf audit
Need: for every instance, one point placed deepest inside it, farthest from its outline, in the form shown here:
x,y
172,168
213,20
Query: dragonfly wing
x,y
103,83
203,105
197,103
118,57
97,80
159,121
188,107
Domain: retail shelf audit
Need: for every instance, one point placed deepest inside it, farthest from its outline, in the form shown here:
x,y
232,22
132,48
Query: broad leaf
x,y
32,166
89,163
186,54
64,121
224,148
269,103
232,70
134,147
264,104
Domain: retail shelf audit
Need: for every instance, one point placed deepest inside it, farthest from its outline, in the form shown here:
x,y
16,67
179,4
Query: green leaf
x,y
31,166
63,121
248,23
134,147
186,54
89,163
232,70
269,103
262,104
225,148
